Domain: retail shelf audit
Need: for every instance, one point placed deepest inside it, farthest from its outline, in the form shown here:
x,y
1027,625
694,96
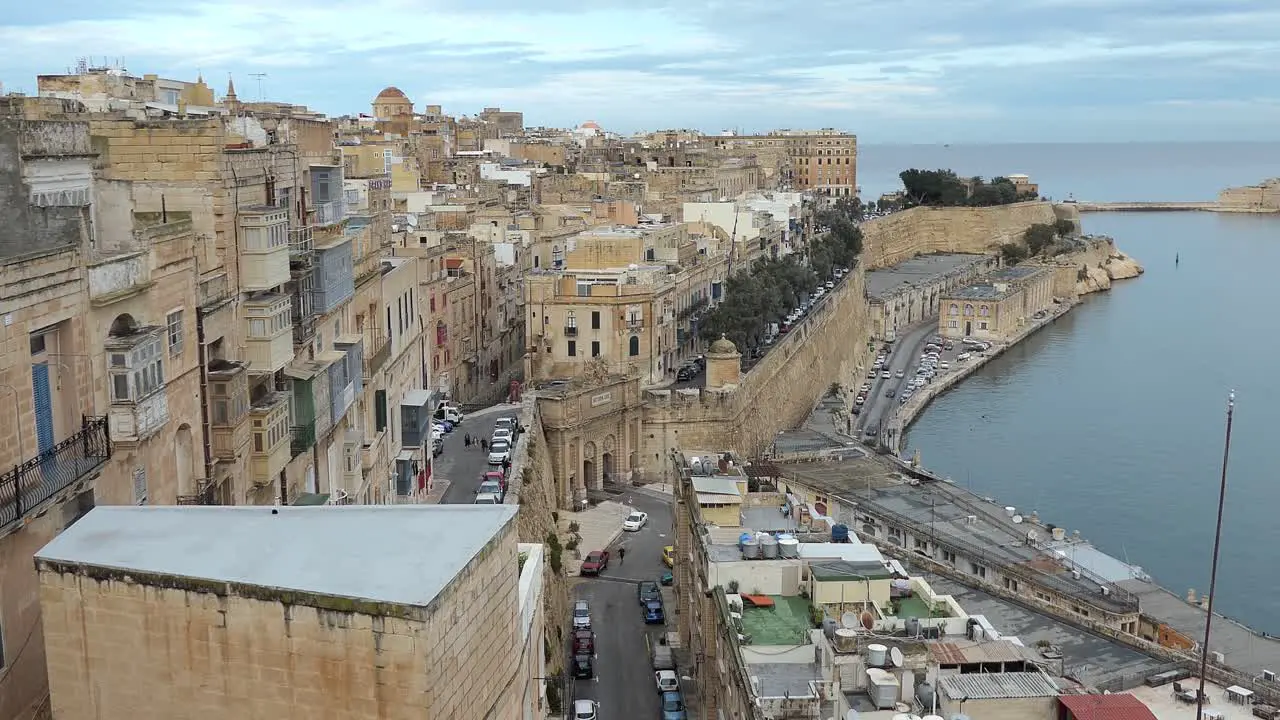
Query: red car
x,y
596,562
584,642
496,477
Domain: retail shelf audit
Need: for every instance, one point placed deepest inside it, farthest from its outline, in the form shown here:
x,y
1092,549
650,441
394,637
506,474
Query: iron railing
x,y
25,487
378,346
206,494
329,213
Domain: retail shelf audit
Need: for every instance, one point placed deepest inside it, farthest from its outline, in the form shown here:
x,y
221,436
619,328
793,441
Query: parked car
x,y
488,487
495,476
673,706
595,563
510,422
687,372
583,667
498,452
488,499
667,681
585,710
653,614
501,433
669,556
635,521
667,579
584,642
581,615
648,590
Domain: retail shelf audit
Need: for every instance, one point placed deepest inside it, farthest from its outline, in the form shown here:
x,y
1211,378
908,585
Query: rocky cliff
x,y
897,237
1091,266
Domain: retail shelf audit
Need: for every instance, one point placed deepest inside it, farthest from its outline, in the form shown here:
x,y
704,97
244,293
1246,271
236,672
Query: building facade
x,y
999,306
824,160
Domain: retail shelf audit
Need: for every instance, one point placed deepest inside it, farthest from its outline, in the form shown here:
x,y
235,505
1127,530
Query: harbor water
x,y
1111,420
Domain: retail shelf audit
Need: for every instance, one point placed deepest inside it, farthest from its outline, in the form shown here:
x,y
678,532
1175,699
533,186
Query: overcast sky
x,y
890,71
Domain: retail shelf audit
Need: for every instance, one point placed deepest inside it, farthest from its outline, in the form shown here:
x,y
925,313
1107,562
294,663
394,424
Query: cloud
x,y
954,70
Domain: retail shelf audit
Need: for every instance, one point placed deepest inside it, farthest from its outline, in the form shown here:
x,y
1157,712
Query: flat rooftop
x,y
785,679
1163,704
788,622
340,551
918,270
1088,657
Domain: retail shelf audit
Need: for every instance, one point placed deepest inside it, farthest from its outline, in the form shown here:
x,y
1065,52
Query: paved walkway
x,y
599,527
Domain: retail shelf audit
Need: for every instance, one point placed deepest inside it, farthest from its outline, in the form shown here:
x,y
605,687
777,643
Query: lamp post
x,y
1213,571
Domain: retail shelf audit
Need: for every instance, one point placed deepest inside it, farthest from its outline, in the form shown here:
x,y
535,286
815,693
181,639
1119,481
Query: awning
x,y
312,499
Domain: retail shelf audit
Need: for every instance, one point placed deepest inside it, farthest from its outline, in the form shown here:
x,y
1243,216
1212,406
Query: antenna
x,y
259,77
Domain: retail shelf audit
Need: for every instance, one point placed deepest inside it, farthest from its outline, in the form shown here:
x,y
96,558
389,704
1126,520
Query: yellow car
x,y
669,556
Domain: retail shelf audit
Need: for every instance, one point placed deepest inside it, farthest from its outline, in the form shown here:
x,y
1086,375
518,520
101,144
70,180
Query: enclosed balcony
x,y
269,417
135,376
345,374
268,333
228,408
334,279
312,415
264,248
415,419
328,202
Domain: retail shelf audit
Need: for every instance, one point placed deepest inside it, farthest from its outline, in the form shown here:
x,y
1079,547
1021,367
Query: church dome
x,y
391,94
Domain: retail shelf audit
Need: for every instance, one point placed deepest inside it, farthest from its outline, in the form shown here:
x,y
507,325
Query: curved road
x,y
905,357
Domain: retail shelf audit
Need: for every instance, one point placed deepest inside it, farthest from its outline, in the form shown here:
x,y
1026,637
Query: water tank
x,y
924,694
932,717
788,547
1010,510
768,547
840,533
877,655
743,538
883,688
1059,533
913,627
750,549
846,640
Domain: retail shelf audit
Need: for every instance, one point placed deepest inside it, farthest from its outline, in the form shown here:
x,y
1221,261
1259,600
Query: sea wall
x,y
832,345
1264,197
902,235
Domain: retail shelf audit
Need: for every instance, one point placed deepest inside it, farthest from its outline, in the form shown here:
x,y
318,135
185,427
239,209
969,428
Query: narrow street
x,y
906,353
624,684
462,466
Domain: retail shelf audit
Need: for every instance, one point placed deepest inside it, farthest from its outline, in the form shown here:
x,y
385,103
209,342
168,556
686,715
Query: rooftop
x,y
785,679
1121,706
915,271
997,285
788,622
288,548
993,686
1164,706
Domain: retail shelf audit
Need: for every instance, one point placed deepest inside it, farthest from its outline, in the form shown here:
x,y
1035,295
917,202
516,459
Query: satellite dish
x,y
849,620
868,620
895,657
1032,536
1017,519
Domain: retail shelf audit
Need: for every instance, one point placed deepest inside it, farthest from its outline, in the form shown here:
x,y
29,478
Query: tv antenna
x,y
258,77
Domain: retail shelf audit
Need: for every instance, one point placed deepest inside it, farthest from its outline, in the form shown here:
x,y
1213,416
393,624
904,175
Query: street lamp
x,y
1213,572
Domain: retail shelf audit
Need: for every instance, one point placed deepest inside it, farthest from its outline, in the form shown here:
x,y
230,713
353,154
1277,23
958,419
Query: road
x,y
624,684
462,466
905,357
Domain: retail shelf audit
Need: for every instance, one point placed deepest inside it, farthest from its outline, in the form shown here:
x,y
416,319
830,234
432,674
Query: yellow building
x,y
720,499
620,296
165,612
998,307
391,104
823,160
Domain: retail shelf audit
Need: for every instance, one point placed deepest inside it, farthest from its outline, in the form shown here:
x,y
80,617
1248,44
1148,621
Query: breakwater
x,y
1209,206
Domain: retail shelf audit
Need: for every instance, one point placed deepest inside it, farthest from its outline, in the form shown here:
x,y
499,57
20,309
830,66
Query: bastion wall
x,y
902,235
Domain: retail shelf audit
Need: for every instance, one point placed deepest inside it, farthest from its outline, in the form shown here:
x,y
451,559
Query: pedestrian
x,y
622,555
466,440
484,445
506,465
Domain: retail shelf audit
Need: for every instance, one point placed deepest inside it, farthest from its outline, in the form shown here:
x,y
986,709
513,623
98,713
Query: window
x,y
949,557
595,319
953,324
140,485
921,544
173,322
984,311
968,310
37,344
978,570
1044,597
136,372
982,325
633,348
573,348
1011,584
584,289
595,348
954,310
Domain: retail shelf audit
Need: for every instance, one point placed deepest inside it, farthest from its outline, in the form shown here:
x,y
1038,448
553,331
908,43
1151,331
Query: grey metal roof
x,y
991,686
715,485
404,554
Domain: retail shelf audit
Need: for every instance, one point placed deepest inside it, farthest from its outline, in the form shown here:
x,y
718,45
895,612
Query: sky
x,y
891,71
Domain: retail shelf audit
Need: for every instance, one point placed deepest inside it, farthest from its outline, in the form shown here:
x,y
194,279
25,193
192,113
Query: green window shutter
x,y
380,409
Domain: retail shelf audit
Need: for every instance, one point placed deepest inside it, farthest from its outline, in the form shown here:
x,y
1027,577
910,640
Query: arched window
x,y
634,349
984,311
955,309
968,310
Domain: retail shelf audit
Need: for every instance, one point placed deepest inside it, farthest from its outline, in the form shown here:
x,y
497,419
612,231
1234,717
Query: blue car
x,y
653,613
673,706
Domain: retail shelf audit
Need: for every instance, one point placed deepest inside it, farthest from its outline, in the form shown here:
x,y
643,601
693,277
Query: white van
x,y
449,412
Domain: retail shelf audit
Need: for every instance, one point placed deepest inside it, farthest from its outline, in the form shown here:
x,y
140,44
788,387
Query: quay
x,y
1209,206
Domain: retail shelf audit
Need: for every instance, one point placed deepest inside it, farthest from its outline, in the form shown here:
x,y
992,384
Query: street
x,y
624,684
462,466
905,357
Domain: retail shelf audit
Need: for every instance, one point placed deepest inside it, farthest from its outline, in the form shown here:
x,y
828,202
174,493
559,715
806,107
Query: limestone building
x,y
908,292
822,160
624,296
165,612
999,306
592,426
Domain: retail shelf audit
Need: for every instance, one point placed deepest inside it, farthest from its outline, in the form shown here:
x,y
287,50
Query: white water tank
x,y
750,549
1059,533
846,640
768,546
883,688
788,547
876,655
1010,510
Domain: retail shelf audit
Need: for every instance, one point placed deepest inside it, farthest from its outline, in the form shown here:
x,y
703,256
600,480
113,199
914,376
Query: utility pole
x,y
1213,572
259,77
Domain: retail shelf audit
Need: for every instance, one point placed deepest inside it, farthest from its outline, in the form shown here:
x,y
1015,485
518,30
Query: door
x,y
968,328
43,400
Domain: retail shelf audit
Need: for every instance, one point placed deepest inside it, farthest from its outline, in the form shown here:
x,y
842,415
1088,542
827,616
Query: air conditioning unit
x,y
1219,658
1268,676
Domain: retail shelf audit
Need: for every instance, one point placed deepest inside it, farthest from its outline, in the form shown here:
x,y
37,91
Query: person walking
x,y
484,445
622,554
466,440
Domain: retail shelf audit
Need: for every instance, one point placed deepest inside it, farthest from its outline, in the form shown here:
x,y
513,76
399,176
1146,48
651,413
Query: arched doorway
x,y
590,479
606,461
184,455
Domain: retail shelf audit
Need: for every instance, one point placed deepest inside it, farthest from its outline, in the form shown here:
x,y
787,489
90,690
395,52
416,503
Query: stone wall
x,y
829,346
532,486
1091,268
897,237
1264,197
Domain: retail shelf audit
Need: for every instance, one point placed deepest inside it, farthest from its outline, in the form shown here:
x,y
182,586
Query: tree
x,y
1038,237
1064,227
1012,253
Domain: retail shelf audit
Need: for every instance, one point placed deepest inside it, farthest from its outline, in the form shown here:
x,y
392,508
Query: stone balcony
x,y
119,277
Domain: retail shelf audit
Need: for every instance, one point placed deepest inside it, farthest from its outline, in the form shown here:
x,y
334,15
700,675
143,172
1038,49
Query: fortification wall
x,y
1264,197
830,346
897,237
